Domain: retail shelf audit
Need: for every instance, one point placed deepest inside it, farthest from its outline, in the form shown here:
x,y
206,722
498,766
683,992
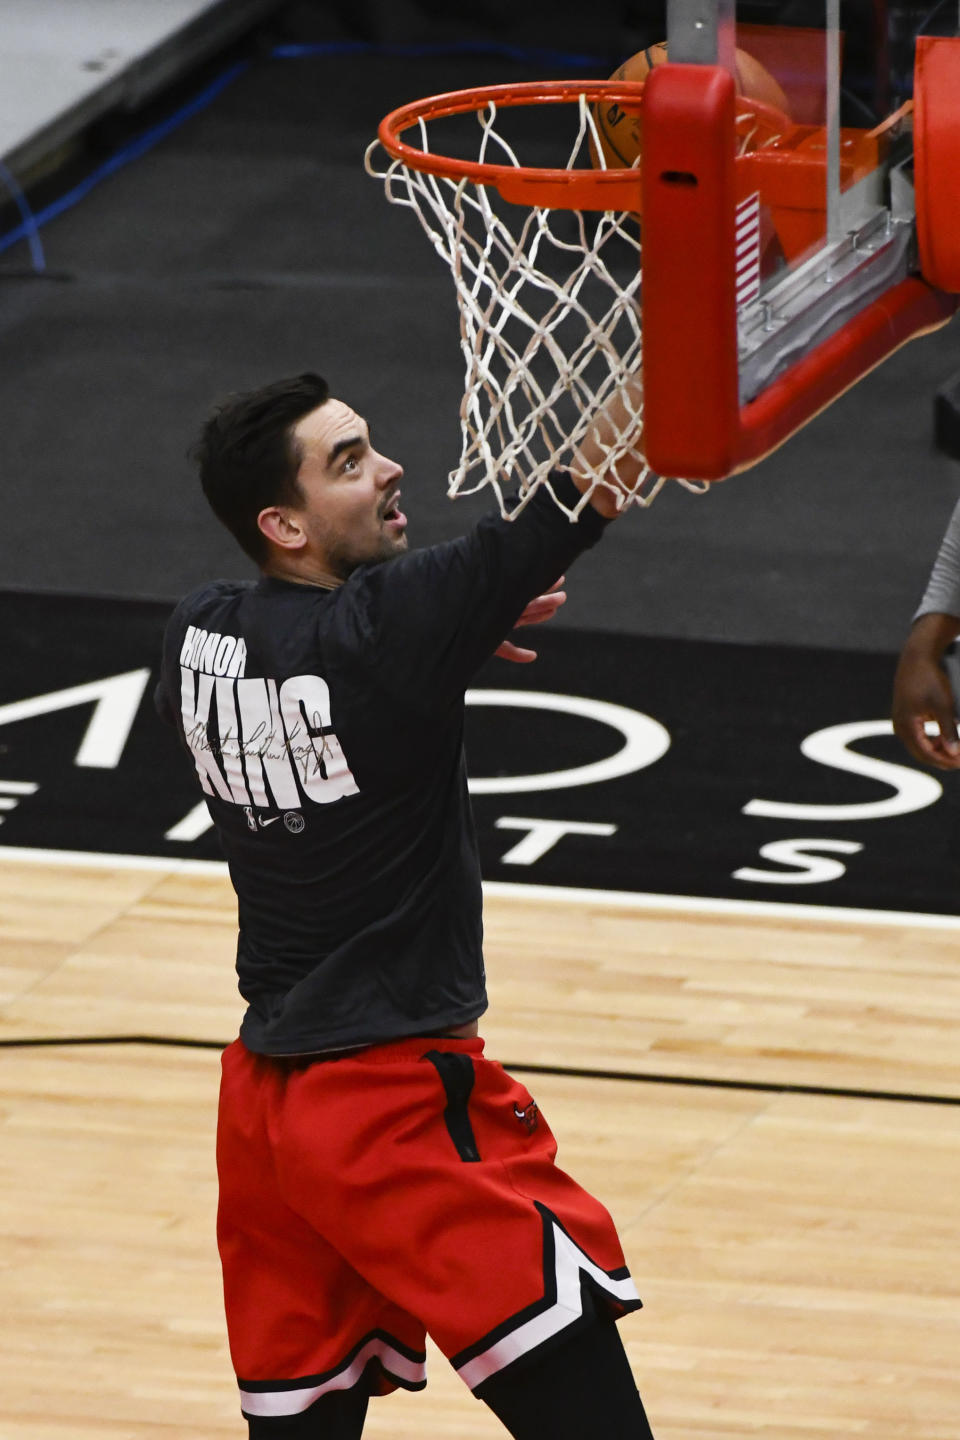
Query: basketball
x,y
620,137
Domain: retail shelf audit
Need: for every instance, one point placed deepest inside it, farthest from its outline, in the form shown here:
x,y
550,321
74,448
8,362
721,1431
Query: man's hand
x,y
617,420
544,607
922,695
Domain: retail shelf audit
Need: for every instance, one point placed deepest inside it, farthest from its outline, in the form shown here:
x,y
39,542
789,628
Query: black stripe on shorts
x,y
456,1072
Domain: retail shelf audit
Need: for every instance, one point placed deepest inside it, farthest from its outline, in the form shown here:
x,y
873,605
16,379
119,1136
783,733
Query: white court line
x,y
94,860
554,894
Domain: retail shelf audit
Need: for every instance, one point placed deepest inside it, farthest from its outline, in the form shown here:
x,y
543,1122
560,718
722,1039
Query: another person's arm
x,y
541,608
921,689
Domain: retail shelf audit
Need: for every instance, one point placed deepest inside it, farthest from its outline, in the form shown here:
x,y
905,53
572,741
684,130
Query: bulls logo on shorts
x,y
529,1116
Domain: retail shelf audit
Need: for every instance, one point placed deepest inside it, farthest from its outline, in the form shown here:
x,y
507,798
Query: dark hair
x,y
248,458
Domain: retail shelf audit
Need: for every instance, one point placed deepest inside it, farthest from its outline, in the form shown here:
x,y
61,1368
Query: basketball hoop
x,y
547,268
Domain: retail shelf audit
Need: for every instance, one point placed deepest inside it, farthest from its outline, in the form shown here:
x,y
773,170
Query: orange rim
x,y
593,189
526,184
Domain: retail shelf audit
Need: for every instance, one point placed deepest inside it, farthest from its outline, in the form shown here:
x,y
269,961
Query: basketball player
x,y
379,1177
922,691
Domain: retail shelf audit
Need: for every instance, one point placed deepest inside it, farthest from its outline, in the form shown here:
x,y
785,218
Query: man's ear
x,y
281,527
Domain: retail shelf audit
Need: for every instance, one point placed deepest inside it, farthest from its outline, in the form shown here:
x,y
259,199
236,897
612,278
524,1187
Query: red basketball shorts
x,y
408,1189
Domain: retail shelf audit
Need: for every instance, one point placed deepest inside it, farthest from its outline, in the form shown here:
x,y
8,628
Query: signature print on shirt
x,y
264,735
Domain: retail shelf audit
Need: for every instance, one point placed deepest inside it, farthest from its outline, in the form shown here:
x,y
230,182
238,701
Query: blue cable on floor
x,y
133,151
31,223
524,54
29,227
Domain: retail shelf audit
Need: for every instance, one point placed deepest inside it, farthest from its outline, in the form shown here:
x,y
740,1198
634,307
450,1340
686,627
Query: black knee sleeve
x,y
581,1389
338,1415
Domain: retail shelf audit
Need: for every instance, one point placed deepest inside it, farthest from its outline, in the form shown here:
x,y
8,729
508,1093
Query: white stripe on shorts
x,y
571,1263
294,1402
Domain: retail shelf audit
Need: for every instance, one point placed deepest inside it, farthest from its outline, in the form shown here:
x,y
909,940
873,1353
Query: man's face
x,y
349,511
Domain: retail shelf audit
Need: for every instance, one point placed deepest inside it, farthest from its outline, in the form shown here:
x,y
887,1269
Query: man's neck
x,y
315,576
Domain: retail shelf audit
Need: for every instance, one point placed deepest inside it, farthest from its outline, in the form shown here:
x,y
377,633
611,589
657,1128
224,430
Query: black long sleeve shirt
x,y
326,728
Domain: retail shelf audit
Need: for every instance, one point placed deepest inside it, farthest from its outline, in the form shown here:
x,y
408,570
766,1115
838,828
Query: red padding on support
x,y
903,313
689,249
936,97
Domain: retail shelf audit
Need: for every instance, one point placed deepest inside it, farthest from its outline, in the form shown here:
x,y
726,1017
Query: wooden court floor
x,y
776,1129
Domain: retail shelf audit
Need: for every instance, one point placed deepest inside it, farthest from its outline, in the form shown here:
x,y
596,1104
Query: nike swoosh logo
x,y
264,823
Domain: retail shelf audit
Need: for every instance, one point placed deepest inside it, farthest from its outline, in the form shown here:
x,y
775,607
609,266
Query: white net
x,y
550,323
